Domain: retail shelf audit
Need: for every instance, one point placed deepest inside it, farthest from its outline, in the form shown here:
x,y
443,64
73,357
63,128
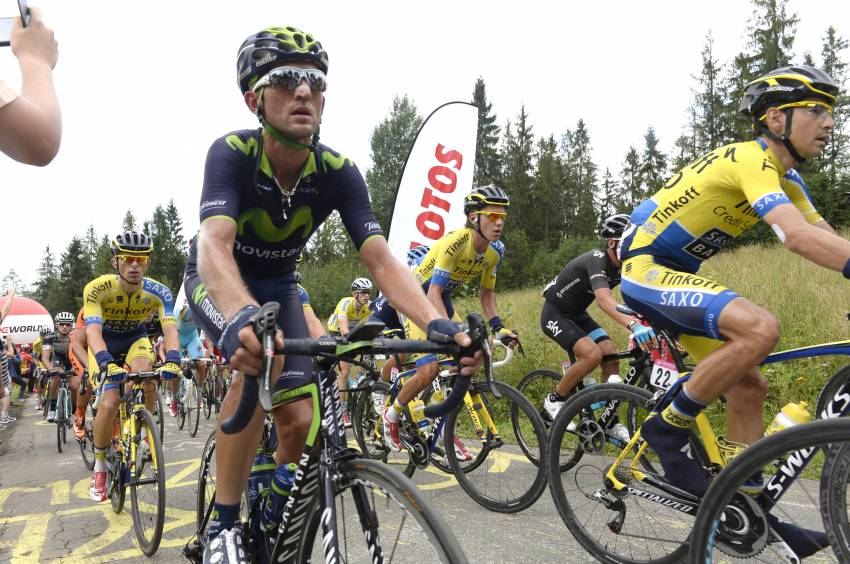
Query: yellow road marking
x,y
61,492
27,547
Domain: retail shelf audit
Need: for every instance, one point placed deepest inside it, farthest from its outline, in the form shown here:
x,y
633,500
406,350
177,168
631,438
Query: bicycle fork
x,y
478,412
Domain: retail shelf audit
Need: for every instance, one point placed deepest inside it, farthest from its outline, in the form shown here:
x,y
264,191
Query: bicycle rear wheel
x,y
87,444
181,409
510,482
613,526
834,487
408,530
535,386
368,429
206,480
208,396
192,405
744,528
147,490
115,478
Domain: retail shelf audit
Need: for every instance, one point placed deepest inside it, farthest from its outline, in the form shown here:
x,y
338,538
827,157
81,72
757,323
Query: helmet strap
x,y
785,138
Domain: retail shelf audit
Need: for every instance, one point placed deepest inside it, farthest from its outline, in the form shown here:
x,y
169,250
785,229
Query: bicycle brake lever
x,y
265,326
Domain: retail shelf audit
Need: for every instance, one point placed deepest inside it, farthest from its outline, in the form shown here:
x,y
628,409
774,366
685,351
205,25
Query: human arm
x,y
342,324
30,125
80,347
813,242
314,326
7,305
606,302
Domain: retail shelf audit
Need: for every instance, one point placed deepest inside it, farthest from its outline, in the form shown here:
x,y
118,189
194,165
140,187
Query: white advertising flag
x,y
436,177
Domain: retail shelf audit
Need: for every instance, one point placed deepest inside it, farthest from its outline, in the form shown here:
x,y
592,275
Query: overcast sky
x,y
145,87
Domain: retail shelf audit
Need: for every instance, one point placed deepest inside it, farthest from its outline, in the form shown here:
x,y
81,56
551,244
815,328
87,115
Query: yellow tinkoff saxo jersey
x,y
710,202
347,307
107,304
452,261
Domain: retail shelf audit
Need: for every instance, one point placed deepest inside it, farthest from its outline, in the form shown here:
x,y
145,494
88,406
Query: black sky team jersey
x,y
239,185
572,290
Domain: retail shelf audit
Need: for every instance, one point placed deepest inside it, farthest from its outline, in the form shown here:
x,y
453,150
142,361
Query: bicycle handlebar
x,y
259,388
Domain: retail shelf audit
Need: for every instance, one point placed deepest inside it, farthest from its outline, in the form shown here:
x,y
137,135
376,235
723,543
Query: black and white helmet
x,y
613,226
132,242
64,317
361,285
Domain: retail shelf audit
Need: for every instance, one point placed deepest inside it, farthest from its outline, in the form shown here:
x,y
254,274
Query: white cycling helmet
x,y
361,285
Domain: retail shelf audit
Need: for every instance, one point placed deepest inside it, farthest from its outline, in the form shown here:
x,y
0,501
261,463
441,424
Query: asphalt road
x,y
46,515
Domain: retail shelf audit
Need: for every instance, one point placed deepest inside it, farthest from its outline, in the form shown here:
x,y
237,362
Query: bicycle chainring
x,y
743,529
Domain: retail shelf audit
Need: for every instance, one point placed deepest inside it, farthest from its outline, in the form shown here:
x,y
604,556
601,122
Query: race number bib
x,y
664,374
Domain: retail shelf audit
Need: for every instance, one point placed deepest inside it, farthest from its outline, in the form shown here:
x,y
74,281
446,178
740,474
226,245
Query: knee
x,y
592,355
765,333
297,425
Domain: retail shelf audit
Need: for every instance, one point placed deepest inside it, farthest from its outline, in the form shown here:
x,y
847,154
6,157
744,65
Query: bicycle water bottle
x,y
438,396
416,407
792,414
258,484
588,382
281,486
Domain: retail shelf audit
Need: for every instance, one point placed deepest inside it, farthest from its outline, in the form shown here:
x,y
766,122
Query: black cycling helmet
x,y
131,242
612,227
272,47
784,89
483,196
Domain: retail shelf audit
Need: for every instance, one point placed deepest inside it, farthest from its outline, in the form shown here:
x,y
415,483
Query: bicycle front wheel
x,y
507,481
404,526
60,419
206,481
158,415
744,528
834,485
147,489
208,396
87,443
535,386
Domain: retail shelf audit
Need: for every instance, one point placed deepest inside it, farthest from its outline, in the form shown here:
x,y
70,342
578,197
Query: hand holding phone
x,y
36,43
6,24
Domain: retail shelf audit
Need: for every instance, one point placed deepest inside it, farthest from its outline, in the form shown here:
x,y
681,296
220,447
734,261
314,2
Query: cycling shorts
x,y
296,380
192,345
684,303
567,329
135,344
412,331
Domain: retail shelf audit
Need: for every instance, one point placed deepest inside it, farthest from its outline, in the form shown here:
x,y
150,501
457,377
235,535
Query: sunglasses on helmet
x,y
291,77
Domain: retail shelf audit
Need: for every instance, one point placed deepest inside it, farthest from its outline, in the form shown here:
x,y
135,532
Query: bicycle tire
x,y
438,454
59,423
208,398
588,482
158,416
148,528
87,444
365,420
66,401
841,376
816,434
834,485
534,386
114,479
206,480
181,409
361,474
194,406
489,487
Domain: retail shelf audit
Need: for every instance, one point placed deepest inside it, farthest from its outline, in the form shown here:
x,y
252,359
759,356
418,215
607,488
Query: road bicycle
x,y
135,460
63,406
188,398
596,483
343,507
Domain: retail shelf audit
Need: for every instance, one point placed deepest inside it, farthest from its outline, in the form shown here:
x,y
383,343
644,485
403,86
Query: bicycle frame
x,y
130,403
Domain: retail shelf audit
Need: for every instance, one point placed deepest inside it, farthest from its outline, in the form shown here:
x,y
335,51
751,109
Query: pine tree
x,y
653,165
391,142
44,291
75,272
708,131
129,223
631,181
771,35
518,152
548,194
609,201
487,161
581,180
102,263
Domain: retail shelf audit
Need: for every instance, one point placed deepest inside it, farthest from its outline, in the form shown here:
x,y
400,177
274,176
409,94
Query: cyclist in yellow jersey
x,y
348,313
703,206
39,370
114,308
458,257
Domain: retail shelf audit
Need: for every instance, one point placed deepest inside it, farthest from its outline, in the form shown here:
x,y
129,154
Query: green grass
x,y
810,302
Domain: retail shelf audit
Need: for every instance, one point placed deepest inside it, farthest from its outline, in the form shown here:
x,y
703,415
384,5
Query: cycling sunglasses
x,y
493,216
64,324
291,77
130,259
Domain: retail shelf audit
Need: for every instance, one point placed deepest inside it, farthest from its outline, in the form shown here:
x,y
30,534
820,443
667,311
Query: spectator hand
x,y
34,42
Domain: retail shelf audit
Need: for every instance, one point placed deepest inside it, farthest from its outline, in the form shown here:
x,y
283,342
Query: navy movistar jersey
x,y
239,185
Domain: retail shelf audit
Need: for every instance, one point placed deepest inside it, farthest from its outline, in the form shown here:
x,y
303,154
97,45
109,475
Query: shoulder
x,y
158,289
243,143
456,238
499,247
333,162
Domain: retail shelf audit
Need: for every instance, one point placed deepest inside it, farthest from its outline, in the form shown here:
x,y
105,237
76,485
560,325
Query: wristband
x,y
495,324
846,271
103,357
173,356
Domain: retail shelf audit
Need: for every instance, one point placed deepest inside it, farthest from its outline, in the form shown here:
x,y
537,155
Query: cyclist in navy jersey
x,y
265,192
